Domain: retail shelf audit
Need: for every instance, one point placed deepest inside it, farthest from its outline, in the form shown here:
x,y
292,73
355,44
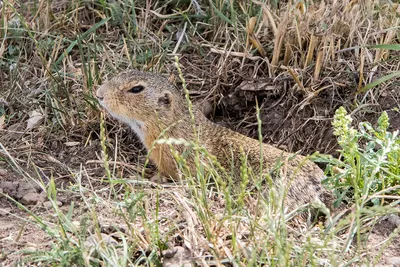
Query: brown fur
x,y
160,105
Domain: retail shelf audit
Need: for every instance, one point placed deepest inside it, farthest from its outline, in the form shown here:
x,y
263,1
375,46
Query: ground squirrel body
x,y
149,103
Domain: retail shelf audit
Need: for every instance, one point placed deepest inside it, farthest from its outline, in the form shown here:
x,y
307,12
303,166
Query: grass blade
x,y
386,46
83,36
378,81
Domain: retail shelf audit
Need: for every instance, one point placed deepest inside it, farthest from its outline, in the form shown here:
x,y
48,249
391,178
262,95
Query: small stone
x,y
3,172
177,256
31,199
27,187
169,253
394,219
48,204
7,187
4,211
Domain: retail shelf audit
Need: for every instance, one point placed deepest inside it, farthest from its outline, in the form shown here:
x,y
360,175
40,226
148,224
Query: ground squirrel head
x,y
143,100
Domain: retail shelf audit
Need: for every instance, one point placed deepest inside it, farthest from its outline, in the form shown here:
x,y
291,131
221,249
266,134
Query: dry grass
x,y
299,60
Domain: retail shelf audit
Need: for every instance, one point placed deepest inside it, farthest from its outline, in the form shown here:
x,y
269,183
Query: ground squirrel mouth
x,y
101,102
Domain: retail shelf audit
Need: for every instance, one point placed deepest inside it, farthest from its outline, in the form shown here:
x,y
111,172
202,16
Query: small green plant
x,y
385,78
369,161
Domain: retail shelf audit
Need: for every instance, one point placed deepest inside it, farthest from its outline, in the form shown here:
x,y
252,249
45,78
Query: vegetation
x,y
280,70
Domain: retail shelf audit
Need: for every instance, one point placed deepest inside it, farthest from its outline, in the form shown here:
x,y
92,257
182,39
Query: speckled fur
x,y
160,105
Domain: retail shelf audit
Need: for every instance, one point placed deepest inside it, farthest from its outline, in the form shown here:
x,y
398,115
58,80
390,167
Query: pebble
x,y
31,199
394,219
3,172
8,188
48,204
177,257
4,211
25,188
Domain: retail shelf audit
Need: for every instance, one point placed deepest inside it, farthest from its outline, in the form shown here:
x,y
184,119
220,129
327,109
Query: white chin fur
x,y
136,125
101,102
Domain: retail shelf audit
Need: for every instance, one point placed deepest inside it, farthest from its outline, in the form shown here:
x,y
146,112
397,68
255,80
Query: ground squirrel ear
x,y
165,99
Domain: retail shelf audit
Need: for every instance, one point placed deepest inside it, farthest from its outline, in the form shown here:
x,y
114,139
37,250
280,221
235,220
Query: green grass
x,y
63,52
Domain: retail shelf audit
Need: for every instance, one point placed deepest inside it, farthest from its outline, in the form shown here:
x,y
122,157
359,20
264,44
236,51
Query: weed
x,y
369,159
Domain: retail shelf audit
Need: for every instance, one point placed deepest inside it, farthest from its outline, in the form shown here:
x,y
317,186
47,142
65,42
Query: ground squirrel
x,y
149,103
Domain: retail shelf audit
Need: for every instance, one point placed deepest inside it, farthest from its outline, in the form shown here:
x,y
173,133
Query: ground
x,y
50,126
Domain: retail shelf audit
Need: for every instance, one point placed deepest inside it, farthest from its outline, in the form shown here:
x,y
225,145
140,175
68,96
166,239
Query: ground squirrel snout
x,y
150,104
137,98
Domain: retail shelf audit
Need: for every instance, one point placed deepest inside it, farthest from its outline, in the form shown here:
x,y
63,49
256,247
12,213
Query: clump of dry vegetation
x,y
76,174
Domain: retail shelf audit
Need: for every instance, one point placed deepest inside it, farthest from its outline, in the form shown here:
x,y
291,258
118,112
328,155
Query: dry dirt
x,y
292,118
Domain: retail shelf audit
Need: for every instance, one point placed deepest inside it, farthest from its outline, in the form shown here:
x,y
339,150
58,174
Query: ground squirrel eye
x,y
136,89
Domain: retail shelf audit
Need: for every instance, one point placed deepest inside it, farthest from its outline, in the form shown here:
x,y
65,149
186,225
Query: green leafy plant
x,y
369,161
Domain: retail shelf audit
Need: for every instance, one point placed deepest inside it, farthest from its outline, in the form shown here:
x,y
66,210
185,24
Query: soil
x,y
379,233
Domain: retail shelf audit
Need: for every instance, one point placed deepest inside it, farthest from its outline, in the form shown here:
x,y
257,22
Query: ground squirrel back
x,y
150,104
